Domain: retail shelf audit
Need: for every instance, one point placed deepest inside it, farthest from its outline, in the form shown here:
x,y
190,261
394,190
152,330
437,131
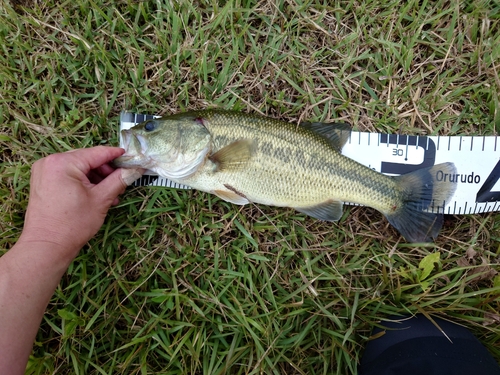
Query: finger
x,y
115,184
92,158
131,175
97,175
105,170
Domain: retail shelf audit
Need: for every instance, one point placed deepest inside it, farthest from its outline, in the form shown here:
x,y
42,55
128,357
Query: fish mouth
x,y
126,137
124,161
133,143
134,147
142,142
124,158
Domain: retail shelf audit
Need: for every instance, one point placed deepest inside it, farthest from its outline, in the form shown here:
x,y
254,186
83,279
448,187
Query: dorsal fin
x,y
336,133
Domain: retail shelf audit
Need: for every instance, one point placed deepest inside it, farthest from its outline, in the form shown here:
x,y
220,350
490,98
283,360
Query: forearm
x,y
29,274
70,195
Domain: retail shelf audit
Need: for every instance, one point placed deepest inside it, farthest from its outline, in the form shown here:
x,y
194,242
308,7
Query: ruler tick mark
x,y
407,138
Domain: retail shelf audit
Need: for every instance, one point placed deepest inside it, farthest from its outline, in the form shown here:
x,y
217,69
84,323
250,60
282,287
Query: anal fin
x,y
328,211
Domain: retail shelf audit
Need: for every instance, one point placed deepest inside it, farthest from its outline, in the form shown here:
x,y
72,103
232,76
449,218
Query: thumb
x,y
116,182
129,175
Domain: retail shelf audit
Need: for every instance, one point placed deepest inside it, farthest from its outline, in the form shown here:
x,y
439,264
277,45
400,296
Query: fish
x,y
248,158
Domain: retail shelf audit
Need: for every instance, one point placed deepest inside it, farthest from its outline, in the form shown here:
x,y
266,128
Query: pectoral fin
x,y
234,156
328,211
336,133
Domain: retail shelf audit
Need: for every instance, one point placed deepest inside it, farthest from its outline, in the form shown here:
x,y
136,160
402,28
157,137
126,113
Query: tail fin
x,y
423,190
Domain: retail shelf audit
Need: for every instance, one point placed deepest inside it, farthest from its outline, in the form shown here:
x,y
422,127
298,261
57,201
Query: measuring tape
x,y
476,158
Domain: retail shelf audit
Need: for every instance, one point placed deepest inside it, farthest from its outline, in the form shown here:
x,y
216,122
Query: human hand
x,y
70,196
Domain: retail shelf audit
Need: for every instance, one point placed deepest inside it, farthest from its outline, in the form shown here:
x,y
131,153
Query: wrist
x,y
48,244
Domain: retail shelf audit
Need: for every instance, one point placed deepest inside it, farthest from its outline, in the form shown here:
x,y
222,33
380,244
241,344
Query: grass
x,y
181,282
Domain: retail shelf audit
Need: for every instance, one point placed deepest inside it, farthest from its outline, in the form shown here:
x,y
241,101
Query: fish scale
x,y
246,158
314,168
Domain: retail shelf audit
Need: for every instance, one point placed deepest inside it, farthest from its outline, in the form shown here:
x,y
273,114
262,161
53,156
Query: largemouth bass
x,y
245,158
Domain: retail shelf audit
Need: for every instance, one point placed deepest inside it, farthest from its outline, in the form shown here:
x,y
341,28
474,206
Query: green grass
x,y
180,282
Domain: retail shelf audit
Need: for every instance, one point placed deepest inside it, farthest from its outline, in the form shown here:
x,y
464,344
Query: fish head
x,y
172,147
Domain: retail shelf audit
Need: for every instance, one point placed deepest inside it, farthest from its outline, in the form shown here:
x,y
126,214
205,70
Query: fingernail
x,y
130,175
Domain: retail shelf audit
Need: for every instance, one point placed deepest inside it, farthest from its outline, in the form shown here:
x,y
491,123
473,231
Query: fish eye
x,y
149,126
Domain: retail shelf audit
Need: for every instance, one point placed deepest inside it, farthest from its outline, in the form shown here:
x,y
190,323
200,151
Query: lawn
x,y
180,282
